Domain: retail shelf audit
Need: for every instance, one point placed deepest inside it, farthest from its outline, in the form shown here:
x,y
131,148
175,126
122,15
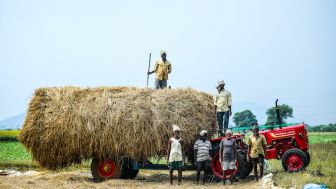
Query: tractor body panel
x,y
279,140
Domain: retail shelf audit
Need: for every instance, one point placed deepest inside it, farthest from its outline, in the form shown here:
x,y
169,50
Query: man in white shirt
x,y
223,103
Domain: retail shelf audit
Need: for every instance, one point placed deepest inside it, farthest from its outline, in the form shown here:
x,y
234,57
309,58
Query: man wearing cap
x,y
223,103
202,155
175,155
228,155
162,69
256,151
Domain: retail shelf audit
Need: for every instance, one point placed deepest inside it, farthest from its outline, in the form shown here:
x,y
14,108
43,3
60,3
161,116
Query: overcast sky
x,y
262,49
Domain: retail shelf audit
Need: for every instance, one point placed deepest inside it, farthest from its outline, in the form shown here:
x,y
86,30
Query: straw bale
x,y
70,124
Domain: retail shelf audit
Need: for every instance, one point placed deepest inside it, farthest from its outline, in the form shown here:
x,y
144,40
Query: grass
x,y
14,156
322,137
13,151
320,170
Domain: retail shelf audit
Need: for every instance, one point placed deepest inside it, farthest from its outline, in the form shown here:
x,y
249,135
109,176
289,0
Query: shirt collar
x,y
221,91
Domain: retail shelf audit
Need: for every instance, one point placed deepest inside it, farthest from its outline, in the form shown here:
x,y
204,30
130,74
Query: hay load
x,y
66,125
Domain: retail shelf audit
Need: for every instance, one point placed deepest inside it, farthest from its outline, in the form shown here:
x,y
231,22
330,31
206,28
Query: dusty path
x,y
145,180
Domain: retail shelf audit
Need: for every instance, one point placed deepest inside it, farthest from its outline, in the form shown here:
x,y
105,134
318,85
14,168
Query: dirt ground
x,y
145,179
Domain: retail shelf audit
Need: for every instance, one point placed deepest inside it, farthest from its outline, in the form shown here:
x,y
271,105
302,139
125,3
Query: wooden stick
x,y
150,55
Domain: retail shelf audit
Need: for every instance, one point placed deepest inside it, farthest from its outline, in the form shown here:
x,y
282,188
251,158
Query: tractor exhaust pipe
x,y
277,112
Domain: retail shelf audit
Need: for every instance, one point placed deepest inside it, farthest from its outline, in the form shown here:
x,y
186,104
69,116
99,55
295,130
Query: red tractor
x,y
288,142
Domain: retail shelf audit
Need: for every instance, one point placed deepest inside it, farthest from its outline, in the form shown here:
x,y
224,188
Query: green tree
x,y
285,112
244,118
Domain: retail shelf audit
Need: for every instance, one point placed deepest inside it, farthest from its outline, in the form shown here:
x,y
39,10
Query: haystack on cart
x,y
119,128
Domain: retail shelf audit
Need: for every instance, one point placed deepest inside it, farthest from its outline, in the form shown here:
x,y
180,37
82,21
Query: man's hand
x,y
230,111
248,158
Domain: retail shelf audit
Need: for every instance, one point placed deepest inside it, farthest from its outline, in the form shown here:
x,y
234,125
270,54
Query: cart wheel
x,y
105,169
127,171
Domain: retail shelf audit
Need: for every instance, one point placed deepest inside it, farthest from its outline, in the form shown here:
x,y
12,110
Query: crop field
x,y
9,133
13,156
322,137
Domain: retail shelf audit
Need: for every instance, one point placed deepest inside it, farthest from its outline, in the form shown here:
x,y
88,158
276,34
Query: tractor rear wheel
x,y
294,160
105,169
243,167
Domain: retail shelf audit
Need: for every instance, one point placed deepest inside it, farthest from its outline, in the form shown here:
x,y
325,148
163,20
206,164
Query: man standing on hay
x,y
175,155
162,69
223,103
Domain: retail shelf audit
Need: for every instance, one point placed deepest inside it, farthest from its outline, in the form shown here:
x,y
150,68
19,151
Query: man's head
x,y
163,54
220,85
203,135
228,133
176,131
255,128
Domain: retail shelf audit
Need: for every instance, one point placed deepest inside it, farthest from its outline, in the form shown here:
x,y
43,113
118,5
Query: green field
x,y
322,137
320,170
9,133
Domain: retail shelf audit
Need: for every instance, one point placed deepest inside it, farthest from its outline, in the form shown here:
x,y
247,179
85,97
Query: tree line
x,y
323,128
246,117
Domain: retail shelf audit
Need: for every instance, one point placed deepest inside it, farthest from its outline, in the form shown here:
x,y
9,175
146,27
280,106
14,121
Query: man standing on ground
x,y
256,151
175,155
228,155
223,103
202,155
162,69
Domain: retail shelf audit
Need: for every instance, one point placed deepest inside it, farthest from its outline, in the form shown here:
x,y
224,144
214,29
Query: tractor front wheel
x,y
308,158
294,160
105,169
